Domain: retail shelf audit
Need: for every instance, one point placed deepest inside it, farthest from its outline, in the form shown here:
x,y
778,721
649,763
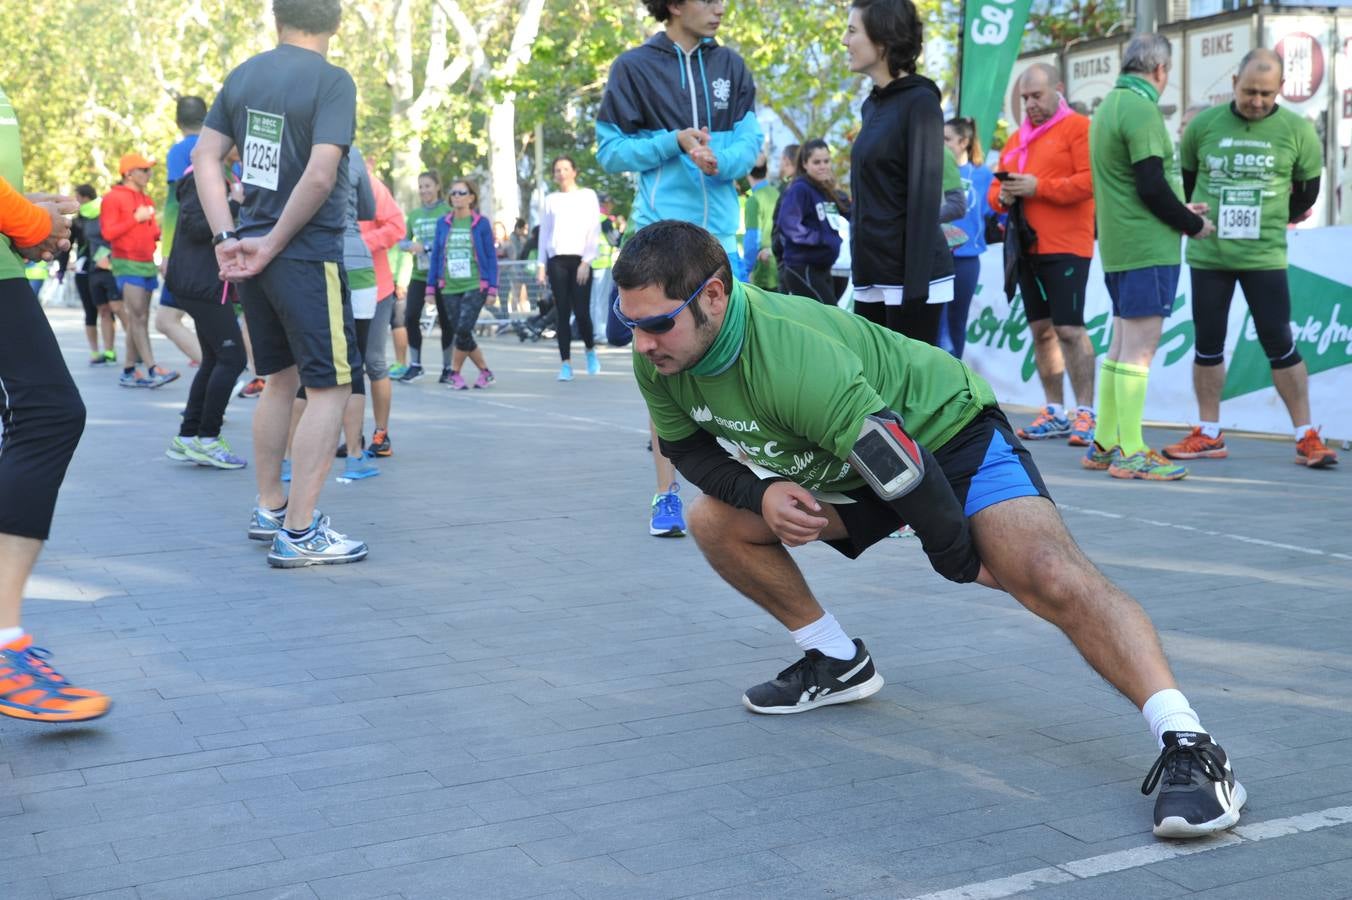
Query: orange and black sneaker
x,y
380,443
31,689
1311,451
1198,446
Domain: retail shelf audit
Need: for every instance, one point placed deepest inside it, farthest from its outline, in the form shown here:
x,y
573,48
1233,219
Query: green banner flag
x,y
991,34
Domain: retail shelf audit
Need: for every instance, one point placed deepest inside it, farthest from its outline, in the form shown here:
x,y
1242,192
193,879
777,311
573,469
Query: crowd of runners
x,y
303,278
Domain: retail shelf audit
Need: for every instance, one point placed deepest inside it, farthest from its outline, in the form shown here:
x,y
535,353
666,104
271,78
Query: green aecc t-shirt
x,y
1244,172
795,397
1127,128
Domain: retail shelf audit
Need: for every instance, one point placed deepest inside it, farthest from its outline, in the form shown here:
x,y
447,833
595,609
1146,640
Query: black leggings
x,y
813,282
1269,299
462,311
570,299
918,321
41,414
91,311
417,294
222,361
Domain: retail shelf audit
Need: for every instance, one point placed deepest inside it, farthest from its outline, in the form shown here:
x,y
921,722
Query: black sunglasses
x,y
663,323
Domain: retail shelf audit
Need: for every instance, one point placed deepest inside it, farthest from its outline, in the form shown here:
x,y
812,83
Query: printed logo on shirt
x,y
722,92
702,414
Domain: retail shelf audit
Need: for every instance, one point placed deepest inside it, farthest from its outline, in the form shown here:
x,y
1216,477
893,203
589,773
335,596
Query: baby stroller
x,y
540,325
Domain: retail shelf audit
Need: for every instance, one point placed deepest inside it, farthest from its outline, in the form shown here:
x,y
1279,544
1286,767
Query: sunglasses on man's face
x,y
663,323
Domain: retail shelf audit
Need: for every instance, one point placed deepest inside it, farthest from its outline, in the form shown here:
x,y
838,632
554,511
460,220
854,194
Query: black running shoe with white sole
x,y
1198,792
816,680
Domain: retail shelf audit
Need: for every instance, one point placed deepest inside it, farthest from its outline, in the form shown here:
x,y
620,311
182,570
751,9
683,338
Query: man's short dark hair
x,y
190,112
759,170
895,25
309,16
658,10
674,256
86,192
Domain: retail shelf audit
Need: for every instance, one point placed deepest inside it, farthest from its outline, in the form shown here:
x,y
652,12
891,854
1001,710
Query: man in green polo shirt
x,y
1140,214
710,360
1257,165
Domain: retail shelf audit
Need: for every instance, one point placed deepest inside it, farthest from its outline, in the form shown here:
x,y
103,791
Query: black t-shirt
x,y
276,106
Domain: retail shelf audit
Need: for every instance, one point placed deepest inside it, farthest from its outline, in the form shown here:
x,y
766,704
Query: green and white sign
x,y
991,35
1000,348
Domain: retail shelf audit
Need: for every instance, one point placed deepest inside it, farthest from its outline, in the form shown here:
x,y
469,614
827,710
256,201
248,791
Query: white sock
x,y
1083,408
1211,429
1057,410
1301,429
10,635
1168,710
825,635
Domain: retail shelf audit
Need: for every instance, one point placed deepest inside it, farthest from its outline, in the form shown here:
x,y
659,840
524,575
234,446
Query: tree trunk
x,y
406,161
504,201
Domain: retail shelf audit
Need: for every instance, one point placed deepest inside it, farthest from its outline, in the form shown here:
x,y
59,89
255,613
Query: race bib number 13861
x,y
262,157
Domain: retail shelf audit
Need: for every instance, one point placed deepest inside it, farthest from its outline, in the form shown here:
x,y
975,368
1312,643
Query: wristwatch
x,y
221,237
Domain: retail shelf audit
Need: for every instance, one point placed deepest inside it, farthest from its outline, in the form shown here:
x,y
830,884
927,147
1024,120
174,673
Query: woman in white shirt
x,y
569,229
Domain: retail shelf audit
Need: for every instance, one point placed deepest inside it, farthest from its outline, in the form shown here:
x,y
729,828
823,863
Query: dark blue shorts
x,y
1142,293
985,464
167,299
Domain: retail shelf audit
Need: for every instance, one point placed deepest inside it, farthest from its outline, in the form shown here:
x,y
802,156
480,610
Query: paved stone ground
x,y
520,694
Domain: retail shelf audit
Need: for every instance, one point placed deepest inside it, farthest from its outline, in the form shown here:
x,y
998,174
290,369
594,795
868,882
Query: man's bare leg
x,y
1078,352
18,556
311,450
271,427
169,322
1053,578
666,472
1051,366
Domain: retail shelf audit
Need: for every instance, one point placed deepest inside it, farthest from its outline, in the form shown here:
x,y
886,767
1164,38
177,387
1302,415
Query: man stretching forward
x,y
293,115
879,432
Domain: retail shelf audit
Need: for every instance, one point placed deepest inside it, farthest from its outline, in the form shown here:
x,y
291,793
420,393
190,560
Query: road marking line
x,y
1148,854
1242,538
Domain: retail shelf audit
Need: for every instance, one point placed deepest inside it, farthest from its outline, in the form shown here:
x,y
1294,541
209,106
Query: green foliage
x,y
1052,24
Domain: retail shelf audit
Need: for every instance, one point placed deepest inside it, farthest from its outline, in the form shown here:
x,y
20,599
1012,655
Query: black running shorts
x,y
1053,286
299,313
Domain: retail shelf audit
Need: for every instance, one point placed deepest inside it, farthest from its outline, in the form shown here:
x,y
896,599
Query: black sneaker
x,y
445,375
341,452
816,680
1198,792
413,374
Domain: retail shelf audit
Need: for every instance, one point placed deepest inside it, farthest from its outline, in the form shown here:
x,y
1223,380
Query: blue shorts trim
x,y
147,282
1001,477
167,299
1143,293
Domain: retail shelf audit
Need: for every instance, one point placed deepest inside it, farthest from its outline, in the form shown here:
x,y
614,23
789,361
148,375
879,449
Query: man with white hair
x,y
1140,214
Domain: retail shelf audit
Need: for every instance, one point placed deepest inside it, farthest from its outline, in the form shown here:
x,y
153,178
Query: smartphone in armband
x,y
887,458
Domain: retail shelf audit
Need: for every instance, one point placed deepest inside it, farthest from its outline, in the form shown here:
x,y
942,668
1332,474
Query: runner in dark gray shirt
x,y
293,115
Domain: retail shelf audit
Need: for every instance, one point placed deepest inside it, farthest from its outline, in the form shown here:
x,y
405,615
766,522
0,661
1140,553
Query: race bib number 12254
x,y
262,157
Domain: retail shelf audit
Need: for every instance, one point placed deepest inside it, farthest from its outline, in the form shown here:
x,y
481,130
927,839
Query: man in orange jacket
x,y
1047,161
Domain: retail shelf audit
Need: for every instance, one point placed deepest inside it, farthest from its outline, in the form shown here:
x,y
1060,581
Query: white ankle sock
x,y
1057,410
1168,710
825,635
10,635
1301,429
1211,429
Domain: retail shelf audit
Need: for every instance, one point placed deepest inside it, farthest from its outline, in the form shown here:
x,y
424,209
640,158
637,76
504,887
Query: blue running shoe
x,y
357,469
1046,425
593,364
566,372
286,471
264,523
320,546
133,379
668,519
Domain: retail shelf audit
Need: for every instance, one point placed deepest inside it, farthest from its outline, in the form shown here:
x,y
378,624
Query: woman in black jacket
x,y
193,277
903,270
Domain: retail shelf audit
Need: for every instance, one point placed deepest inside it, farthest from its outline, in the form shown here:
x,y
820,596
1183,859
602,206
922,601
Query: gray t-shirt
x,y
275,107
361,207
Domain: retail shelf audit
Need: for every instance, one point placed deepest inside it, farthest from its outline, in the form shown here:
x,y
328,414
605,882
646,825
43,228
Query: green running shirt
x,y
1126,129
1244,171
11,169
422,227
795,397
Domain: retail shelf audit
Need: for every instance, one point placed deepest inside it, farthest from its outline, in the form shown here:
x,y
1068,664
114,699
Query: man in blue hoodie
x,y
680,110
